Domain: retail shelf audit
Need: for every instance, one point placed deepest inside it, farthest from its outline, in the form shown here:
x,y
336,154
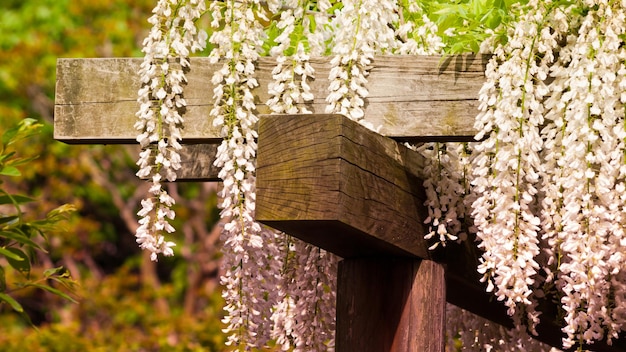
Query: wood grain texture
x,y
333,183
410,97
197,163
390,305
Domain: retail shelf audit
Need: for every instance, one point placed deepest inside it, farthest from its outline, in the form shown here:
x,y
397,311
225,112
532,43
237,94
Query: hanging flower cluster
x,y
447,188
416,32
172,38
361,29
304,317
290,86
586,169
478,334
508,165
304,313
550,171
247,246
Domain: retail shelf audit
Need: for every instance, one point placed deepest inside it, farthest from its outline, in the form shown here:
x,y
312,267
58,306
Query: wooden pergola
x,y
331,182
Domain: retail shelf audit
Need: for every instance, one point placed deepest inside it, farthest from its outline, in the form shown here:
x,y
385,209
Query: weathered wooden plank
x,y
197,163
333,183
390,305
411,97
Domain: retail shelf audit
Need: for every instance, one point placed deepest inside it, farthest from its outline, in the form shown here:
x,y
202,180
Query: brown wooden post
x,y
390,304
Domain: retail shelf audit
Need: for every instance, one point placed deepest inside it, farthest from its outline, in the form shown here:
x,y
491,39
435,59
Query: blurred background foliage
x,y
125,301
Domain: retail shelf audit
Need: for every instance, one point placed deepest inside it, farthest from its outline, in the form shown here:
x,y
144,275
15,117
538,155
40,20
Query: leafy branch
x,y
22,239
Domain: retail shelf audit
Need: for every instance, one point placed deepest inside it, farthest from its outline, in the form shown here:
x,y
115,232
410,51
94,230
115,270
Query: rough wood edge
x,y
411,97
329,171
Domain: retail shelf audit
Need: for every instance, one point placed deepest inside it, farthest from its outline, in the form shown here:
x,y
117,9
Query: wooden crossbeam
x,y
411,97
325,174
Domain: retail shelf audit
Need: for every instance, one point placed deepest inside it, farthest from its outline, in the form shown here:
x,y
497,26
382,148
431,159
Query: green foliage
x,y
471,21
21,239
119,313
126,303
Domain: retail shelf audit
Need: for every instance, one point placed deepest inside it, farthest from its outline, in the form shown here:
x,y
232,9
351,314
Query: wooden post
x,y
390,304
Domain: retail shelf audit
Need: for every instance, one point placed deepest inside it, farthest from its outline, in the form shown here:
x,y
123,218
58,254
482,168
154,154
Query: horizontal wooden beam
x,y
335,184
410,97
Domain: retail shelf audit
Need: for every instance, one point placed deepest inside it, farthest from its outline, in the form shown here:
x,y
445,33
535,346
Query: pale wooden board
x,y
411,97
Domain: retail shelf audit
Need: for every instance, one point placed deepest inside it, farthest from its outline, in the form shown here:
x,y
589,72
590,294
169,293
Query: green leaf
x,y
25,128
9,135
20,161
15,199
9,254
21,238
10,171
61,212
17,259
6,219
53,271
6,156
54,291
12,302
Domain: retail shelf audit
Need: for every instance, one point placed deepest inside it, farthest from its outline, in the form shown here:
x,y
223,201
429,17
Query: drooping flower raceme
x,y
573,199
304,314
584,203
362,28
251,265
508,165
290,88
479,334
447,190
172,38
417,33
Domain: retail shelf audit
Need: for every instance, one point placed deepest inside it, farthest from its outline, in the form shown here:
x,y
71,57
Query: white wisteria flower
x,y
251,253
583,202
550,171
362,29
447,187
166,49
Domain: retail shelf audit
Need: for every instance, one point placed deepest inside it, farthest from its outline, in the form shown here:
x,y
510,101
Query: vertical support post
x,y
390,304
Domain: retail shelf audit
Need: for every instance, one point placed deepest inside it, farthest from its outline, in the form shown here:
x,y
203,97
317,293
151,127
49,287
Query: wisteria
x,y
304,312
587,163
167,48
362,29
237,38
555,155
